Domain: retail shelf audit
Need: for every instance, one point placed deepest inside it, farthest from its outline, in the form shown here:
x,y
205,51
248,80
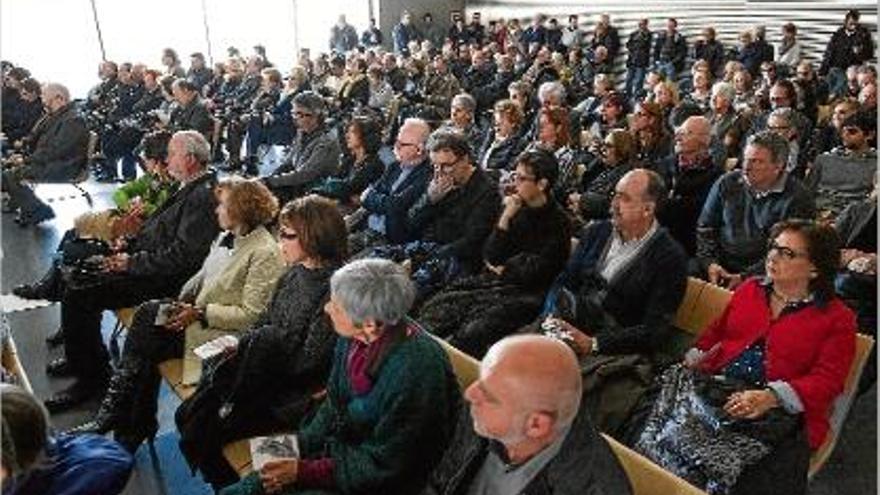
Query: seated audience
x,y
524,253
272,378
57,154
224,297
741,208
391,397
314,154
360,163
826,138
36,460
753,398
463,120
554,135
451,220
190,112
526,431
846,173
167,250
386,202
653,141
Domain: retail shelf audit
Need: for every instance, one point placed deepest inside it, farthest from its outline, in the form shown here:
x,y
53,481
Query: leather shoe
x,y
81,391
59,367
56,338
31,291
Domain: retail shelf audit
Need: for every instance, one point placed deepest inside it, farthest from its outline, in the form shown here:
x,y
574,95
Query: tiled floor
x,y
852,469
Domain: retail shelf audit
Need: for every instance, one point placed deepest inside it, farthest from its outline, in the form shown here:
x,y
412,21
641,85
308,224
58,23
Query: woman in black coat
x,y
504,141
360,164
526,250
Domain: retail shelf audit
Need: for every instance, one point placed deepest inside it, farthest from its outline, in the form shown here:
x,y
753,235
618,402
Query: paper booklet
x,y
270,448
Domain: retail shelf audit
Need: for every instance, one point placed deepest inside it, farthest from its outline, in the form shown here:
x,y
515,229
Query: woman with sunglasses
x,y
224,297
752,398
274,376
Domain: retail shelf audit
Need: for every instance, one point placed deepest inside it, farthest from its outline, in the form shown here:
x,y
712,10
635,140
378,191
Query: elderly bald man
x,y
525,432
58,154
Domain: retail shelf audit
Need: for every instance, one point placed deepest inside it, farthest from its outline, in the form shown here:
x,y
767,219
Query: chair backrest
x,y
12,363
702,304
841,406
646,477
466,368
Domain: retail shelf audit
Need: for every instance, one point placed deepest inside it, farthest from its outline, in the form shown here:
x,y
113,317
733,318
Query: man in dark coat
x,y
169,248
343,37
460,206
525,431
191,114
58,155
670,50
851,44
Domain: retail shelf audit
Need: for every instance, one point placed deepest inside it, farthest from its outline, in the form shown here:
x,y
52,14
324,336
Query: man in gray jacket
x,y
314,154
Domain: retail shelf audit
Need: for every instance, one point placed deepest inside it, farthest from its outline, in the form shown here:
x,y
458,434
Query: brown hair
x,y
320,226
510,111
249,202
558,118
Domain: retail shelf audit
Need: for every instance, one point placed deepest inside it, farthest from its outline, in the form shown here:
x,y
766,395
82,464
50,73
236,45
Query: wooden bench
x,y
12,364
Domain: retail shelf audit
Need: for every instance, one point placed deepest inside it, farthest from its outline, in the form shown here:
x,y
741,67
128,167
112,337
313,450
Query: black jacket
x,y
844,50
193,116
631,313
676,56
60,146
395,204
461,221
174,240
503,156
688,190
639,47
585,465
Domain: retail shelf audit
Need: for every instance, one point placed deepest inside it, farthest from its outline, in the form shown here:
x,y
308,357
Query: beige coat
x,y
234,298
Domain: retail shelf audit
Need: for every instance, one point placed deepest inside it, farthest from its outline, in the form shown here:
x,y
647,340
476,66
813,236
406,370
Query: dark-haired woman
x,y
753,397
360,165
526,250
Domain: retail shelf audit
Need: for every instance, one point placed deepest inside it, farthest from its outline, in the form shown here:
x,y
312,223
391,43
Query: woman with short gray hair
x,y
391,397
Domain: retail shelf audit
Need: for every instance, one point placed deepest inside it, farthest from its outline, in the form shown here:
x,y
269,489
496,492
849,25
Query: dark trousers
x,y
146,345
783,470
21,195
81,308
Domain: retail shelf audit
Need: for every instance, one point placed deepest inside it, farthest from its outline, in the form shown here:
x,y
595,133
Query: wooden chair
x,y
646,477
12,363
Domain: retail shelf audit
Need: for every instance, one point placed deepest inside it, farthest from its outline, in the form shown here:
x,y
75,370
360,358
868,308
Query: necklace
x,y
787,300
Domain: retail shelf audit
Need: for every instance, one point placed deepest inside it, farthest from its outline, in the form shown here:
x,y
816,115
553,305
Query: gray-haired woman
x,y
391,397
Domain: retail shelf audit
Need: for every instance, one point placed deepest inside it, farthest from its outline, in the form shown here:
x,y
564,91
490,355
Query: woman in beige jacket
x,y
227,295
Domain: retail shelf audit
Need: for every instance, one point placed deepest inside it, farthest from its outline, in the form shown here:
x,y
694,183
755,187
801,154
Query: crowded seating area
x,y
525,256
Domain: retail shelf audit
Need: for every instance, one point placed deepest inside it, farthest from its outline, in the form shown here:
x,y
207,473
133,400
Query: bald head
x,y
542,372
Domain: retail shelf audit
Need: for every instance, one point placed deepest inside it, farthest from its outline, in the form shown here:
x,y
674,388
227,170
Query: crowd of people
x,y
532,214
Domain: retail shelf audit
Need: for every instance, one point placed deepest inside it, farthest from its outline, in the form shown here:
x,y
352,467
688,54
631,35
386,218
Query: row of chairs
x,y
703,302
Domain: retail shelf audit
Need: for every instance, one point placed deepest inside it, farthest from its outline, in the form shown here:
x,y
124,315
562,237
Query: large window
x,y
57,39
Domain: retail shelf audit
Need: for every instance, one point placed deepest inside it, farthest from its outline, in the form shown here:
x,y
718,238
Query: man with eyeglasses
x,y
314,154
845,175
742,206
780,122
385,202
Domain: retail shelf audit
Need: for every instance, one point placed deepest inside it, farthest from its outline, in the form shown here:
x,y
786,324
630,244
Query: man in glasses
x,y
385,202
845,174
741,208
314,154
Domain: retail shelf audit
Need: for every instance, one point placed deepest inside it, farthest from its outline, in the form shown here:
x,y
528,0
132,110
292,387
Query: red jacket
x,y
812,348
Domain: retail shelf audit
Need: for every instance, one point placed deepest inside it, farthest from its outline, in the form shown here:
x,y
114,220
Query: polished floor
x,y
852,469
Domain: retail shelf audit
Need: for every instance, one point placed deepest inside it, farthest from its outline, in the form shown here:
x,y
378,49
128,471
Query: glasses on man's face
x,y
778,127
287,235
784,252
298,114
446,167
518,177
403,144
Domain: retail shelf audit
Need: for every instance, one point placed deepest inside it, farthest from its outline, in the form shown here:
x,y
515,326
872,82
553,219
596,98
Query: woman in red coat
x,y
752,398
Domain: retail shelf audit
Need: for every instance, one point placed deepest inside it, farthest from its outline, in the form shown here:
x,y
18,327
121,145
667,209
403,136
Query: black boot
x,y
250,167
48,287
116,405
140,423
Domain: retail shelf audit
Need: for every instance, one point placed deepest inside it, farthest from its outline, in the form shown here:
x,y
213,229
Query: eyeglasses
x,y
778,127
287,235
446,167
300,115
522,178
401,144
785,252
